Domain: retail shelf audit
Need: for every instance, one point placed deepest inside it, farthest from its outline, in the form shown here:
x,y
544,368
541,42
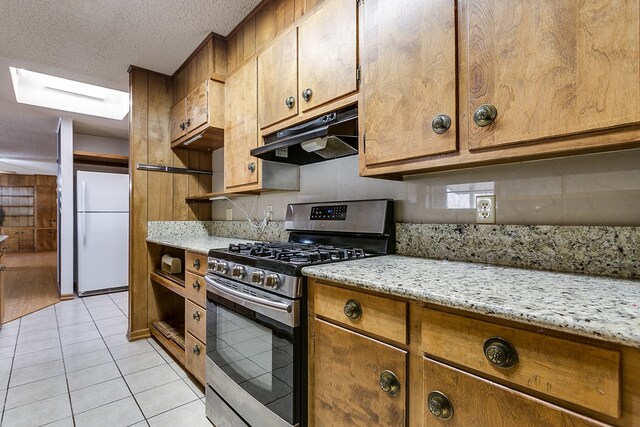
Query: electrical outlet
x,y
486,209
268,212
230,214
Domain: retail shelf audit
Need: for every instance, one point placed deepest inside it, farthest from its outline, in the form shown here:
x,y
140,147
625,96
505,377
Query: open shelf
x,y
170,333
87,157
207,197
173,282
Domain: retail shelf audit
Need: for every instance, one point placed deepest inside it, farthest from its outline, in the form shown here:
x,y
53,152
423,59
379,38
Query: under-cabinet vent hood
x,y
327,137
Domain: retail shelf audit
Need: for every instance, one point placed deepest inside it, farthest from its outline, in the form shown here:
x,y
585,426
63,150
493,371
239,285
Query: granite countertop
x,y
596,307
3,237
200,244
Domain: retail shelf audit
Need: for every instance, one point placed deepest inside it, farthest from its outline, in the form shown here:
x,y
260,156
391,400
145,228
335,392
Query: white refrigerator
x,y
102,204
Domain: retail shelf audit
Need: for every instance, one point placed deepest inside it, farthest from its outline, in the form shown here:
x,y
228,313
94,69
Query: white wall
x,y
100,144
592,189
66,209
29,167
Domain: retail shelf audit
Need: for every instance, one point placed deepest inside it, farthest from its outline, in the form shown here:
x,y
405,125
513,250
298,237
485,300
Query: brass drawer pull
x,y
485,115
196,350
500,353
389,383
352,309
196,316
439,405
307,94
196,285
196,264
441,123
290,102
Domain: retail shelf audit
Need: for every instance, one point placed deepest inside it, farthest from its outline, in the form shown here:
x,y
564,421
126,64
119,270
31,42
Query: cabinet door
x,y
241,127
278,80
177,119
45,206
346,379
25,240
327,57
409,71
473,401
197,107
552,68
45,239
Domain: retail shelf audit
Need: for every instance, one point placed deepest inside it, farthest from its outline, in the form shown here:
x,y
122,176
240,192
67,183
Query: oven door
x,y
254,353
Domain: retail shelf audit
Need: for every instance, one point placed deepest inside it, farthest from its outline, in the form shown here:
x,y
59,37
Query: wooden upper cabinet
x,y
241,126
197,121
278,80
552,68
46,207
408,62
327,55
347,373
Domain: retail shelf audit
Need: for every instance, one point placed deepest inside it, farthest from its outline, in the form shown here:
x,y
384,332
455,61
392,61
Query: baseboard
x,y
139,334
67,297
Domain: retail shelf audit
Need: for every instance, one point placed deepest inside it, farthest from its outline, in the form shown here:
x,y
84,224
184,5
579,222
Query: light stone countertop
x,y
3,237
200,244
596,307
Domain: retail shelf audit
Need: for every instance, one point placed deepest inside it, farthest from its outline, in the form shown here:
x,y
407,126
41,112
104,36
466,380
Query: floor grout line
x,y
64,369
13,358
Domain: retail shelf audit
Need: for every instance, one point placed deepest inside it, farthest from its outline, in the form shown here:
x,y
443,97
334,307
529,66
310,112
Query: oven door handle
x,y
240,297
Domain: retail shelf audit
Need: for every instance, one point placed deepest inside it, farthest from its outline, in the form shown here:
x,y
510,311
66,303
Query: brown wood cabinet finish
x,y
347,370
46,206
195,320
380,316
241,126
196,263
578,373
478,402
409,71
327,55
195,289
45,239
278,80
177,118
195,353
552,69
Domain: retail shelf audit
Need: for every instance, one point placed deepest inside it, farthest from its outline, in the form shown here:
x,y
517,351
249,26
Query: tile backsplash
x,y
592,189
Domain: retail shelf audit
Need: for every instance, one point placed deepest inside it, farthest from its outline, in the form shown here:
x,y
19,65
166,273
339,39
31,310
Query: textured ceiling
x,y
94,42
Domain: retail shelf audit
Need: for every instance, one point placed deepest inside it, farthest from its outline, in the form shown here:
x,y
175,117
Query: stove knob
x,y
222,267
237,271
257,277
271,281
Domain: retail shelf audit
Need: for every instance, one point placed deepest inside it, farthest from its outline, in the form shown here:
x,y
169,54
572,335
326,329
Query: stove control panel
x,y
329,213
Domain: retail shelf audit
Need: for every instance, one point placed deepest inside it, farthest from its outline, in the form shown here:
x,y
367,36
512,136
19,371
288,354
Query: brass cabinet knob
x,y
389,383
485,115
500,353
196,285
352,309
290,102
196,264
252,167
441,123
2,267
182,126
187,123
439,405
307,94
196,316
196,350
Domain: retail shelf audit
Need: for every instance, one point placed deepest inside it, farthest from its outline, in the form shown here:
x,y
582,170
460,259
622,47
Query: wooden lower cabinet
x,y
455,398
46,239
19,240
346,379
196,352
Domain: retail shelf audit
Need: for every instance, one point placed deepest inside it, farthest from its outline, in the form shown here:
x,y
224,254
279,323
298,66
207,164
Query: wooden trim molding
x,y
139,334
67,297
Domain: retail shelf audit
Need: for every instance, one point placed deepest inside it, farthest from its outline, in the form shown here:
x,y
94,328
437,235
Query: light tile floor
x,y
71,365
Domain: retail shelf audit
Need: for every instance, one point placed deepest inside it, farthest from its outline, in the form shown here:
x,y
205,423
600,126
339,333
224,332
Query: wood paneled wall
x,y
156,196
264,24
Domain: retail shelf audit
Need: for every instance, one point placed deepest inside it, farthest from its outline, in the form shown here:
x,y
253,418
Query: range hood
x,y
327,137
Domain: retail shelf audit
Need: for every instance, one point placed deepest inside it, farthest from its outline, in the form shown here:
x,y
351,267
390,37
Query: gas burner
x,y
296,253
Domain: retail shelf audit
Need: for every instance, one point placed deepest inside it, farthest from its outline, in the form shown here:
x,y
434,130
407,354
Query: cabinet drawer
x,y
195,354
473,401
195,320
196,263
195,289
578,373
380,316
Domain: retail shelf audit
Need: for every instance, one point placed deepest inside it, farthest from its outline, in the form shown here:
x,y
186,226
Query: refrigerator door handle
x,y
84,213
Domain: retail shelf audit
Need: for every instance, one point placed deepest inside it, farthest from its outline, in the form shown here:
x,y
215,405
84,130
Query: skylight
x,y
47,91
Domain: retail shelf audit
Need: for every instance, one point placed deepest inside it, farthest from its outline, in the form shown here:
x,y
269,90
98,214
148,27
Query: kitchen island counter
x,y
596,307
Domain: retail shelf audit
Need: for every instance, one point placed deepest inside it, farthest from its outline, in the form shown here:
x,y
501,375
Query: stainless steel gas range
x,y
256,309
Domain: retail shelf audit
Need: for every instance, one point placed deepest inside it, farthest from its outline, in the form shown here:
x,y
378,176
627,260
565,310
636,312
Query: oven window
x,y
257,353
